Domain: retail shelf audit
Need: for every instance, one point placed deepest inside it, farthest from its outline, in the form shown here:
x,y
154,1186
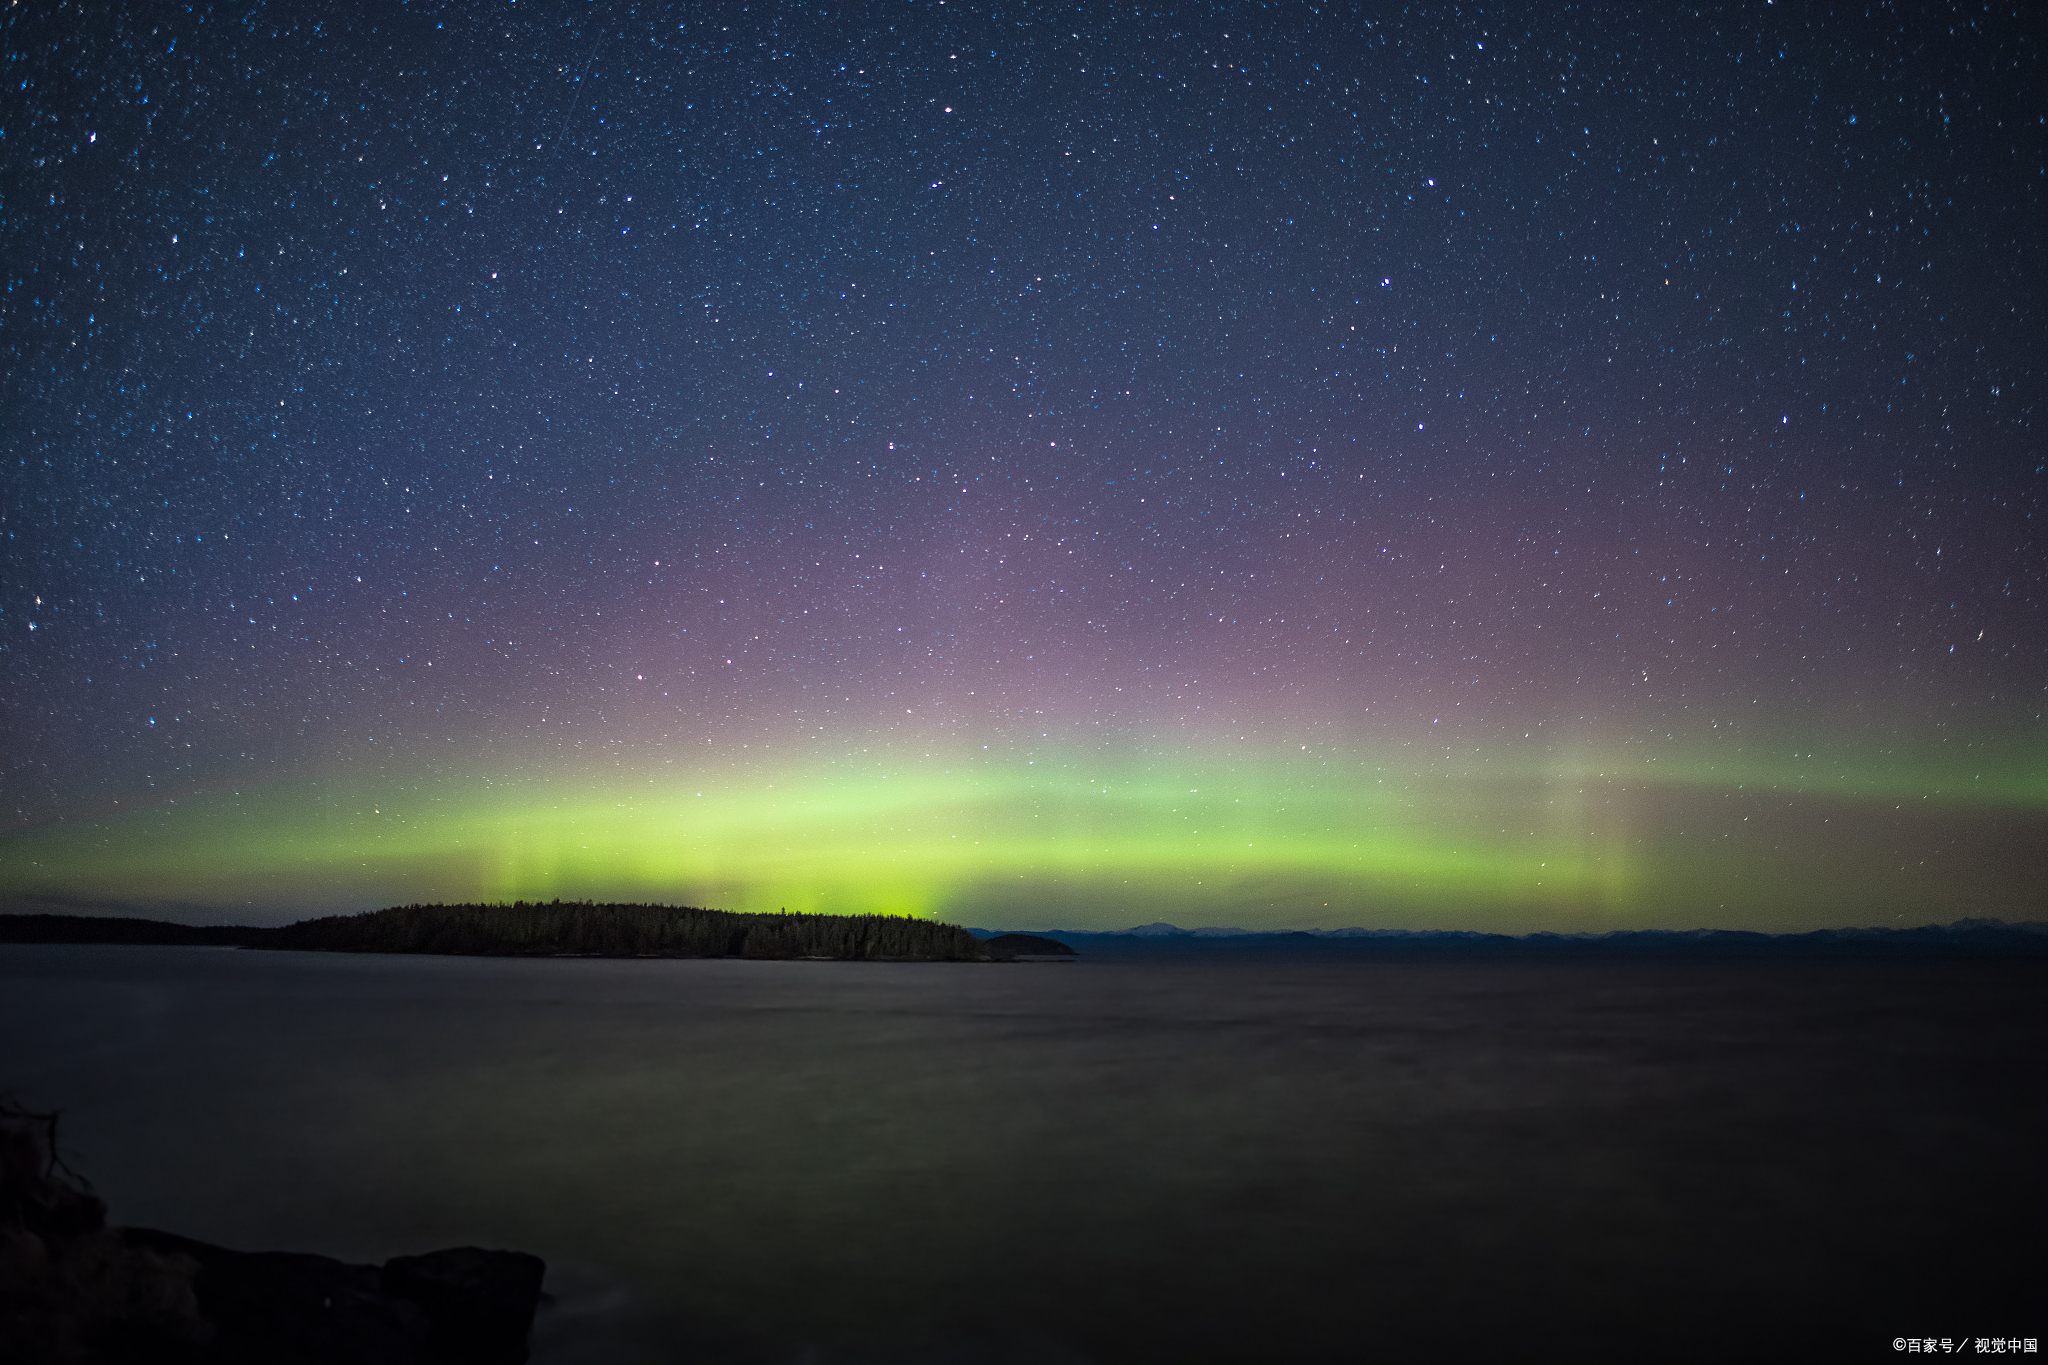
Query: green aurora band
x,y
1519,840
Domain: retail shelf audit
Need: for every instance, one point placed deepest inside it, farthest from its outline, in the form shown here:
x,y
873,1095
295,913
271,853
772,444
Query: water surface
x,y
1107,1162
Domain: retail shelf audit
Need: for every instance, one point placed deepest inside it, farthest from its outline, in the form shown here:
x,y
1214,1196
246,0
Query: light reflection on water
x,y
1059,1163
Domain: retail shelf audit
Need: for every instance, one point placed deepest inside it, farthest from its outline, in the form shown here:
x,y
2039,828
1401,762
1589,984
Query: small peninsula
x,y
565,929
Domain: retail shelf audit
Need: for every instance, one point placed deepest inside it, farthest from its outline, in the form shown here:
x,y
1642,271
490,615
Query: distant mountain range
x,y
1964,937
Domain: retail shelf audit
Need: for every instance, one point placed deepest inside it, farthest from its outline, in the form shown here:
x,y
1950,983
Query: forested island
x,y
560,929
586,929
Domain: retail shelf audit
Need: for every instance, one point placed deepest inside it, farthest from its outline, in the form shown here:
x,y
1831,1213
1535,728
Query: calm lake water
x,y
1107,1162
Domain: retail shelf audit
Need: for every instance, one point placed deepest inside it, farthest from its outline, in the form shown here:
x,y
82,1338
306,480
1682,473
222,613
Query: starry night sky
x,y
1519,468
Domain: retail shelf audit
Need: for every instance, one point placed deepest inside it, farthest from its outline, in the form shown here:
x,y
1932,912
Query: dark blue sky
x,y
1619,372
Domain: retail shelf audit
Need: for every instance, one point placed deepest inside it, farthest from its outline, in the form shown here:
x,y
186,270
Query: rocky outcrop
x,y
462,1306
74,1290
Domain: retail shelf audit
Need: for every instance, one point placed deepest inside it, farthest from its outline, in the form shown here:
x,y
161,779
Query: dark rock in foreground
x,y
73,1289
480,1303
462,1306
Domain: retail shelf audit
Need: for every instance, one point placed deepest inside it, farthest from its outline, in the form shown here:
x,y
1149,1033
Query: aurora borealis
x,y
1451,468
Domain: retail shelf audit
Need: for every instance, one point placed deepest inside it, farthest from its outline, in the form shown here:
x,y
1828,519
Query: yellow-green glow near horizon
x,y
1532,839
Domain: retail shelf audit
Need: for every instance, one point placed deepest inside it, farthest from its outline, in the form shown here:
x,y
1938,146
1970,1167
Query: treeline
x,y
533,929
42,928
